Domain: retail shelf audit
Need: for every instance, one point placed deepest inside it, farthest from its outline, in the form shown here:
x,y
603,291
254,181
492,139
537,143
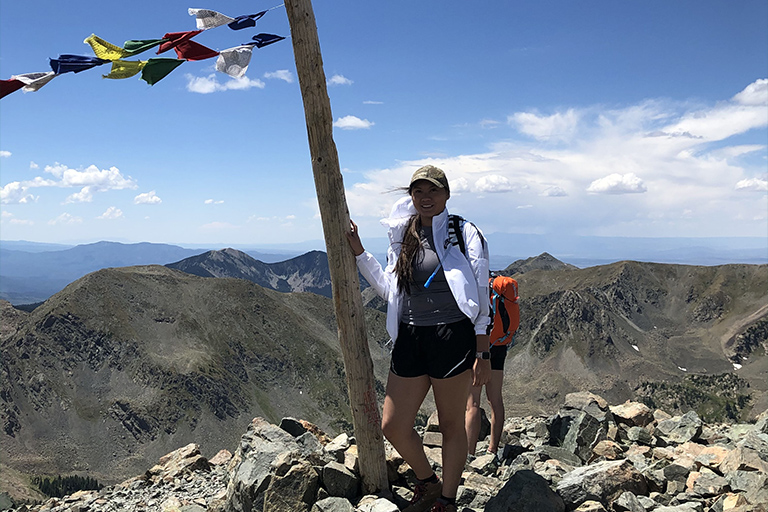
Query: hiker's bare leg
x,y
451,402
472,421
493,393
401,404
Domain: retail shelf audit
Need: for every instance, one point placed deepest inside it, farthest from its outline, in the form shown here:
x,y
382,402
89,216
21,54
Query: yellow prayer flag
x,y
105,50
125,68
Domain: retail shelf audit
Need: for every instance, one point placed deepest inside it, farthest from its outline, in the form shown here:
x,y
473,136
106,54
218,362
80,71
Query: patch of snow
x,y
736,366
682,369
636,348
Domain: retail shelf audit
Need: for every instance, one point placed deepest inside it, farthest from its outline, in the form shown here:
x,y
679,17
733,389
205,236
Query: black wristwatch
x,y
482,355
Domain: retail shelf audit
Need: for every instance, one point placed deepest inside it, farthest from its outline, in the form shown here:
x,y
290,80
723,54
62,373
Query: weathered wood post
x,y
335,218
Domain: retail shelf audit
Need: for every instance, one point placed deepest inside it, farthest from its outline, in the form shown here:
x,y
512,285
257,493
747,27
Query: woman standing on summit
x,y
438,315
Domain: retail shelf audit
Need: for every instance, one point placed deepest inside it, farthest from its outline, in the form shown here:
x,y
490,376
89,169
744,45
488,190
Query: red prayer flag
x,y
176,38
9,86
190,50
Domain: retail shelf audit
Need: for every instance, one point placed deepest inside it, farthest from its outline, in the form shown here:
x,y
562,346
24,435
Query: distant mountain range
x,y
126,364
31,272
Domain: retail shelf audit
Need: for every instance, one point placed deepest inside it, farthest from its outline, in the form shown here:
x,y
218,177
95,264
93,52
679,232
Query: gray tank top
x,y
435,304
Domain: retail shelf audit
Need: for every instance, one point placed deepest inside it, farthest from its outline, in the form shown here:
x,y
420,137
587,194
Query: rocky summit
x,y
587,457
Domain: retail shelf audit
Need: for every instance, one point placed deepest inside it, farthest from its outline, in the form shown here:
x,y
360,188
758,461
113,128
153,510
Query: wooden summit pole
x,y
347,300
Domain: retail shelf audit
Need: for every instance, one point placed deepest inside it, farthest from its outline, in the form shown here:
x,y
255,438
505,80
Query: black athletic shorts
x,y
498,355
440,351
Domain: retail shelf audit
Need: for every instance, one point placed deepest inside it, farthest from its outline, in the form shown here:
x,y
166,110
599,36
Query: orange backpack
x,y
505,309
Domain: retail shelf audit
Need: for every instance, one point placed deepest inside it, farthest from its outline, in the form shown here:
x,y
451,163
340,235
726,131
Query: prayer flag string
x,y
232,61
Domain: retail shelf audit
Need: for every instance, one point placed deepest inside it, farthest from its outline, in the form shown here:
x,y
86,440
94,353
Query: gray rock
x,y
604,481
523,492
627,502
333,504
680,429
294,492
640,435
339,481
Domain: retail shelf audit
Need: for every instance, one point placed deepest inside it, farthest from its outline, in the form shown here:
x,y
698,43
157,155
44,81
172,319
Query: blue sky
x,y
633,118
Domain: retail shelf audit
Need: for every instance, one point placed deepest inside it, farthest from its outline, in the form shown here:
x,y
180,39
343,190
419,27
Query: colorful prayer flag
x,y
207,18
246,21
125,69
137,46
74,63
104,50
234,61
263,40
175,38
158,68
190,50
9,86
34,81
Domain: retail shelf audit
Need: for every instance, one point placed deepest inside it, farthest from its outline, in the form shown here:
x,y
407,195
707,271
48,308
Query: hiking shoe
x,y
424,495
439,506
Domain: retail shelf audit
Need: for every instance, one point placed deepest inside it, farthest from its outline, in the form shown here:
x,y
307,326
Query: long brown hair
x,y
409,249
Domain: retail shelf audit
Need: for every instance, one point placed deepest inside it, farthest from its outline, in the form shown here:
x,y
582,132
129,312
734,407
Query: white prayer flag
x,y
209,19
234,61
34,81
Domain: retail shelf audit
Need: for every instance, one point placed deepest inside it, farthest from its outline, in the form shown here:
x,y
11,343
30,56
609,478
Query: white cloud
x,y
558,126
4,154
33,165
213,201
65,218
753,184
98,179
352,123
554,192
111,213
89,181
339,80
209,84
755,93
16,193
618,184
147,198
675,168
372,102
8,218
280,74
84,196
493,183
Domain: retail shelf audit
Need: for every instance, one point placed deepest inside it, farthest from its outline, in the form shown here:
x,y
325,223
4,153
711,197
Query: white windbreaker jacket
x,y
467,276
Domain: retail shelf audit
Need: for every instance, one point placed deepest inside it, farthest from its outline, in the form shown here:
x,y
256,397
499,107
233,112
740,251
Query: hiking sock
x,y
431,480
447,501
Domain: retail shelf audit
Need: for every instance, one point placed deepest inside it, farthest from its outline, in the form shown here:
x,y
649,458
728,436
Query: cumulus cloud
x,y
559,126
352,123
16,192
754,94
757,184
339,80
4,154
147,198
64,219
618,184
554,192
665,157
84,196
111,213
89,181
280,74
33,165
210,84
493,183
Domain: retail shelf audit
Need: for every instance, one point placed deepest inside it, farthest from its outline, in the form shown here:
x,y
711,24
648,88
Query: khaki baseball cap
x,y
431,174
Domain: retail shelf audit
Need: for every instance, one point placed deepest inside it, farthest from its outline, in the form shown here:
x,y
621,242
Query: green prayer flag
x,y
158,68
137,46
